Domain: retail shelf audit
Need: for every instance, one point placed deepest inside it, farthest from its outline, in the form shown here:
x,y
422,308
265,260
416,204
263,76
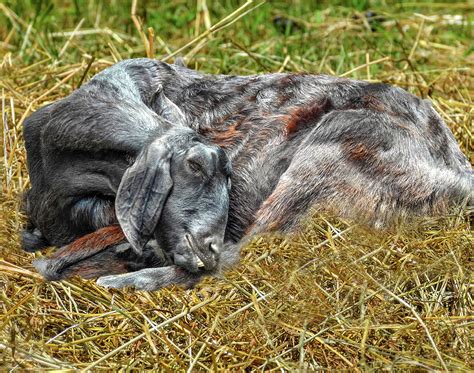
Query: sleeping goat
x,y
131,173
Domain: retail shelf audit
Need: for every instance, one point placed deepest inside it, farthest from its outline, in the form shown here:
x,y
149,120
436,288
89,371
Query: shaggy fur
x,y
366,151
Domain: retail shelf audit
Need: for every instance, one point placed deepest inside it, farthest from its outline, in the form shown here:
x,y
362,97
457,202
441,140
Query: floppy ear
x,y
167,109
142,194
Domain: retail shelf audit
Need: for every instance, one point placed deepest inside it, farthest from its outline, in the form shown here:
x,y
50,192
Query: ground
x,y
333,296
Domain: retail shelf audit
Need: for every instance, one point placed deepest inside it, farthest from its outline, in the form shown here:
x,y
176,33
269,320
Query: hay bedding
x,y
333,296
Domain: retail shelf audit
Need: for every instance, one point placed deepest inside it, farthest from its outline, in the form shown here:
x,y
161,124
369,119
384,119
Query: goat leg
x,y
56,267
150,279
103,252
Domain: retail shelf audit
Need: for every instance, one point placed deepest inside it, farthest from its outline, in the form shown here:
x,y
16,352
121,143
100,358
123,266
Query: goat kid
x,y
366,151
171,202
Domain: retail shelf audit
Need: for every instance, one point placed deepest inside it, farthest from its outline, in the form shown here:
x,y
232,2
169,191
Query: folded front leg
x,y
150,279
101,253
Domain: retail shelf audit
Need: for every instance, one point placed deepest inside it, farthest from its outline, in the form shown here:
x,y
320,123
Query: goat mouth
x,y
192,246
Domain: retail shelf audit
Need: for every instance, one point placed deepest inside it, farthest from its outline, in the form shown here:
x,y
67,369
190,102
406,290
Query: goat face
x,y
177,191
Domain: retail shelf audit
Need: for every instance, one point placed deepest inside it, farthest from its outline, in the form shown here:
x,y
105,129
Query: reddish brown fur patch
x,y
92,243
291,79
225,136
374,103
370,102
368,160
359,152
303,115
96,267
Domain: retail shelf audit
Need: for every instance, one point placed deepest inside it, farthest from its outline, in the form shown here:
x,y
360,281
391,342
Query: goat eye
x,y
195,166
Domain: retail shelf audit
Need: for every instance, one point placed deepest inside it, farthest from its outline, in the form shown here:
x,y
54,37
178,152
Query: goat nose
x,y
210,248
207,250
214,244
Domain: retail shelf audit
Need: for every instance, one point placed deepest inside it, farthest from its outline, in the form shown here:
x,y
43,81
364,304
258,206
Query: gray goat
x,y
296,142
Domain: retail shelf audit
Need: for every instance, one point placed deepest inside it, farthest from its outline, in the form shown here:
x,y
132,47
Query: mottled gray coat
x,y
364,151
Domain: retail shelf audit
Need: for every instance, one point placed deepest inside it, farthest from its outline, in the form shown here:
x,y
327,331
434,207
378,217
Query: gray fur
x,y
297,142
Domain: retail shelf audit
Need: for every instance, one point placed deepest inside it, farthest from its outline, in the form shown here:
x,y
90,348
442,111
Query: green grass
x,y
334,296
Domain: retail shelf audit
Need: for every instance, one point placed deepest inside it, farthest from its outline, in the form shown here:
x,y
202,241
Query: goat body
x,y
365,151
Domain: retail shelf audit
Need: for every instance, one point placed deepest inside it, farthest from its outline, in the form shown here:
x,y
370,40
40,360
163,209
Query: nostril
x,y
213,244
214,248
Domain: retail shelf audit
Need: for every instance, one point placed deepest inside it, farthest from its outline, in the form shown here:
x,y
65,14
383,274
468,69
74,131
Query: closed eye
x,y
196,167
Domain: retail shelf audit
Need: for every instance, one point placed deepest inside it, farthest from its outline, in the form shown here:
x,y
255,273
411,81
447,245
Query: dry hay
x,y
333,296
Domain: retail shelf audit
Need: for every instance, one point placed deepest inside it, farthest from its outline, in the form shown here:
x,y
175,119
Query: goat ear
x,y
142,194
167,109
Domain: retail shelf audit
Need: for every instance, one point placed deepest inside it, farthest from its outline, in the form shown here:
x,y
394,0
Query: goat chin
x,y
296,142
